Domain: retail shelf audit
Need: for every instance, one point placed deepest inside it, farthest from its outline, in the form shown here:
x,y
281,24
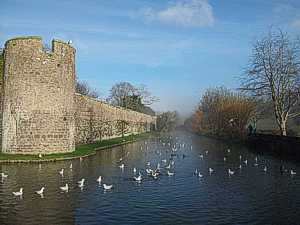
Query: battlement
x,y
59,47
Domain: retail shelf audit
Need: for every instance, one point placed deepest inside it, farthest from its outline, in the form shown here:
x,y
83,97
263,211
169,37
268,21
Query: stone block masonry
x,y
40,112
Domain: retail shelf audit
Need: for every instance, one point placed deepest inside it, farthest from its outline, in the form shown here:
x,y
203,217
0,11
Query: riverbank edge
x,y
285,148
81,151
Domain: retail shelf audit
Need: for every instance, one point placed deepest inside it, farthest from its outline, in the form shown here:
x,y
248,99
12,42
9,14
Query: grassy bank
x,y
80,151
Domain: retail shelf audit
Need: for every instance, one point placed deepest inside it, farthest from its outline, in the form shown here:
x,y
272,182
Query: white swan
x,y
293,172
265,169
196,171
228,150
168,166
61,172
256,159
3,175
246,162
139,178
107,187
122,166
240,167
18,193
164,161
71,166
65,188
200,175
40,192
210,170
224,159
81,183
149,171
206,152
134,170
201,156
99,179
230,172
240,157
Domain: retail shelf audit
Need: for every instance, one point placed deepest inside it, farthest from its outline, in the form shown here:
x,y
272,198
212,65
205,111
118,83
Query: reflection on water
x,y
249,196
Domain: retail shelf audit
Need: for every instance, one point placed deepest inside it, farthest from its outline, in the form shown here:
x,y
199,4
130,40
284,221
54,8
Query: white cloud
x,y
187,13
296,23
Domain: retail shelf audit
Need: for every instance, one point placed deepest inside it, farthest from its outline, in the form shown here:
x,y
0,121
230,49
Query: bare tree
x,y
83,88
126,95
274,74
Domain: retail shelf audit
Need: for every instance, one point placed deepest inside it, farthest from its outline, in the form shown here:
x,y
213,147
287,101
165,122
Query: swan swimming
x,y
210,170
99,179
107,187
230,172
265,169
134,170
40,192
65,188
200,175
3,175
122,166
293,172
81,183
139,178
18,193
61,172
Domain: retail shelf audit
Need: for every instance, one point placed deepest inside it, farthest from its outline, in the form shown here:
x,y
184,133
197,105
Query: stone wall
x,y
97,120
38,92
40,112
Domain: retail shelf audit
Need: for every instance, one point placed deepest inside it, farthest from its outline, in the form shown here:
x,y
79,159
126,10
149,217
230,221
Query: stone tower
x,y
38,97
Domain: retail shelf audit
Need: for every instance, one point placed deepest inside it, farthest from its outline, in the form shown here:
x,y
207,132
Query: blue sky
x,y
177,48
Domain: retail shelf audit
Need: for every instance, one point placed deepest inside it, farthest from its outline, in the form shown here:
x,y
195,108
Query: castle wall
x,y
38,103
39,110
97,120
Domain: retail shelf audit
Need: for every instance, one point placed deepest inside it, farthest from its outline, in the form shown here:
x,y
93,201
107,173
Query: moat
x,y
252,195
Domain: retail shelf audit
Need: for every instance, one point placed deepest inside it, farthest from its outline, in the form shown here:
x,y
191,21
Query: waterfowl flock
x,y
164,166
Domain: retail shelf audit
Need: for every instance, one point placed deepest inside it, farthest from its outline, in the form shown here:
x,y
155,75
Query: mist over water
x,y
250,196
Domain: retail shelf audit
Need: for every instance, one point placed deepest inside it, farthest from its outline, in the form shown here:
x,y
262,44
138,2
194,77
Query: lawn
x,y
80,150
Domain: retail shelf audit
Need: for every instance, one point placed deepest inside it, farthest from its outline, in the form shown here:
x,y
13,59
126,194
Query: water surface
x,y
250,196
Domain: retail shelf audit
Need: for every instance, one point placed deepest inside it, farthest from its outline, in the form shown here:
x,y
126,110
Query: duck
x,y
65,188
40,192
99,179
18,193
107,187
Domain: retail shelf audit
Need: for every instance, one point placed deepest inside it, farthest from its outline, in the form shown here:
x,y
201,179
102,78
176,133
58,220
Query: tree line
x,y
271,79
